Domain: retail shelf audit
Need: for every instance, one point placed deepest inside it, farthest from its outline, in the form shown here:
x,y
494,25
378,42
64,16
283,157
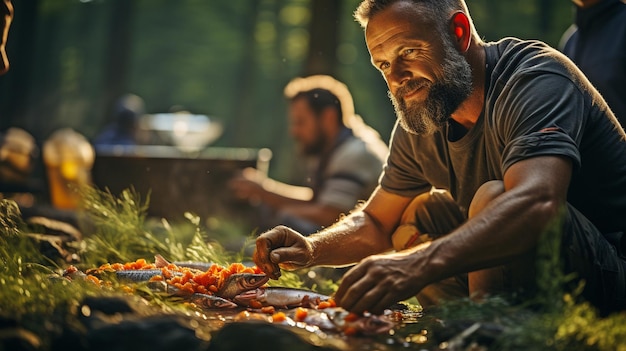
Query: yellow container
x,y
68,157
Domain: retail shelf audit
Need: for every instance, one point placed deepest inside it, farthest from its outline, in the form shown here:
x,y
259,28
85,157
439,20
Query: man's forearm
x,y
348,241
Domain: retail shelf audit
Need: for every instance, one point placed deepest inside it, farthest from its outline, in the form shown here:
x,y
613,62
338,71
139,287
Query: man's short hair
x,y
322,91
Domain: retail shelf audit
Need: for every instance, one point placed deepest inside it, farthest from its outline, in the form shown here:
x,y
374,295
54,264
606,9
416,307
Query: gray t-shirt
x,y
349,174
536,103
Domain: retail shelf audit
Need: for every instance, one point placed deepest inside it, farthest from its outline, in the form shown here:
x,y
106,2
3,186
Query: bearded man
x,y
497,144
344,159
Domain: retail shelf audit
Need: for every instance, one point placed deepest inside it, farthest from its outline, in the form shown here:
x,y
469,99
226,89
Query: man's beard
x,y
316,147
444,96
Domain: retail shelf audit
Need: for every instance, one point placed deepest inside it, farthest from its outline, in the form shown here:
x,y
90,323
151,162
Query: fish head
x,y
247,281
211,302
219,303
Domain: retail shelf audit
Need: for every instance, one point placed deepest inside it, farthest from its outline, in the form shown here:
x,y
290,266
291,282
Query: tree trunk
x,y
118,52
323,41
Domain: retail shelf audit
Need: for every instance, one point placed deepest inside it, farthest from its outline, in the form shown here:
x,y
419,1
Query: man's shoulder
x,y
511,59
512,50
358,146
354,151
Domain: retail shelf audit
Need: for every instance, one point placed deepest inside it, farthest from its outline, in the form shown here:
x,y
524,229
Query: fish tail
x,y
160,261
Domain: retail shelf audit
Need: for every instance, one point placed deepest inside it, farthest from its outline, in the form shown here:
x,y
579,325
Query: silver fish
x,y
280,297
241,282
211,302
162,286
139,275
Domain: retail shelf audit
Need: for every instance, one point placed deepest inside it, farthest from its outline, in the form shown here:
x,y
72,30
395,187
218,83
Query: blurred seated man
x,y
346,158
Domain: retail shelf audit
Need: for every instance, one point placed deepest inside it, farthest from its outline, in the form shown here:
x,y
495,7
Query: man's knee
x,y
428,216
484,195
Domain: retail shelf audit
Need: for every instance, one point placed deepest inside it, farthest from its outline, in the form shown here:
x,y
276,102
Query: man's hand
x,y
282,247
379,281
248,185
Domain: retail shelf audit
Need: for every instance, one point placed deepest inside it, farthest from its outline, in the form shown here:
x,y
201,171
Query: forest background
x,y
72,59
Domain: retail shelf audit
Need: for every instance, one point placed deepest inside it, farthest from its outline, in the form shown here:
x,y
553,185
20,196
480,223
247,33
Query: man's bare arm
x,y
364,232
535,192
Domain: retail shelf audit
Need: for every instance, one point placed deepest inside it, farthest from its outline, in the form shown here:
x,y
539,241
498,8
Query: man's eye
x,y
408,52
383,66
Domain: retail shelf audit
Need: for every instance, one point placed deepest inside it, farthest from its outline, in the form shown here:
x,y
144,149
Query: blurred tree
x,y
118,46
15,86
228,59
325,19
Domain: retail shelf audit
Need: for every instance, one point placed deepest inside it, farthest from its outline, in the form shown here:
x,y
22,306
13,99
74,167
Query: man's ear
x,y
461,30
329,118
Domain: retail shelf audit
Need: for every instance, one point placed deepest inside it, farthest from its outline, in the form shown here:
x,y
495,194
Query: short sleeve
x,y
539,115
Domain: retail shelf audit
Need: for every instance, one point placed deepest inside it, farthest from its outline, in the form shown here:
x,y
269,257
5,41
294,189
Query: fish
x,y
210,302
204,301
239,283
140,275
279,297
234,284
329,320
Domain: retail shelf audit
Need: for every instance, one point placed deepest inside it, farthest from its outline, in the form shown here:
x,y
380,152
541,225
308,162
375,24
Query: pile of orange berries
x,y
186,279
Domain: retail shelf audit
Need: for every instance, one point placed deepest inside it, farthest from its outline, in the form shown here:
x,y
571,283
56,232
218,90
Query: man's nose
x,y
399,75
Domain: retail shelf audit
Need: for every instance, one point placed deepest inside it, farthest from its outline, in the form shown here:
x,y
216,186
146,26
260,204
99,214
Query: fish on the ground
x,y
139,275
332,320
210,302
240,283
279,297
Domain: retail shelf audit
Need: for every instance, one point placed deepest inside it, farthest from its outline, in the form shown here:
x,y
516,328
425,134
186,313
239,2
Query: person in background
x,y
17,146
517,136
596,42
122,130
345,159
6,16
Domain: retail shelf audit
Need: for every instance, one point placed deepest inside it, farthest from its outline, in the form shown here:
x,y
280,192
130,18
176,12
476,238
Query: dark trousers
x,y
595,258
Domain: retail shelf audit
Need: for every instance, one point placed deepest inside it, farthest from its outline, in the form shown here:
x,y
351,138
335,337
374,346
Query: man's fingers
x,y
281,247
289,257
354,287
384,303
375,300
348,279
262,259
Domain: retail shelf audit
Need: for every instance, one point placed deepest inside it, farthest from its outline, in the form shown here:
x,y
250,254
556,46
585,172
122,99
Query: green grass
x,y
116,230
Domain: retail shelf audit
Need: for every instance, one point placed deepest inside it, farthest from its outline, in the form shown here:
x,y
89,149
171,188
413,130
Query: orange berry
x,y
255,304
351,317
324,304
279,317
301,314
